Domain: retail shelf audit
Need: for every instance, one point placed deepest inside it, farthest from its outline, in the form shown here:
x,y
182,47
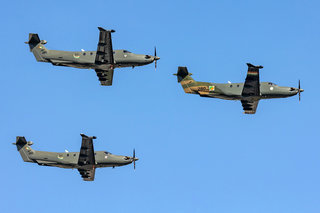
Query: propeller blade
x,y
299,91
134,159
155,55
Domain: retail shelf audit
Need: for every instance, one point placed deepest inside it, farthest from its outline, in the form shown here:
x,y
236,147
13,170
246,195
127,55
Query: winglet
x,y
102,29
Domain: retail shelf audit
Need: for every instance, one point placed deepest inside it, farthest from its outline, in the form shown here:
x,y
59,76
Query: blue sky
x,y
196,154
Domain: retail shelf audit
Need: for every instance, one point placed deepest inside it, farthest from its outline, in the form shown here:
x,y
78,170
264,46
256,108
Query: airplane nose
x,y
156,58
136,159
301,90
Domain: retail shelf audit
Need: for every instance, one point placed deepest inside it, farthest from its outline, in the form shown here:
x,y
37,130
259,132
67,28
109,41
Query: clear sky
x,y
196,155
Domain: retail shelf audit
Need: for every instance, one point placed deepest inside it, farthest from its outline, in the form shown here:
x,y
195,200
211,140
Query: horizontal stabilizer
x,y
253,66
85,136
102,29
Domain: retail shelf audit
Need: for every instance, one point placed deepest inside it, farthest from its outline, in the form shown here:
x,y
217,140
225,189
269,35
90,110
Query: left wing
x,y
105,76
104,57
249,107
87,175
86,158
251,86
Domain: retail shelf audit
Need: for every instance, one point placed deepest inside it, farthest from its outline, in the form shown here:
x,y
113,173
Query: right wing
x,y
104,57
86,158
251,86
249,107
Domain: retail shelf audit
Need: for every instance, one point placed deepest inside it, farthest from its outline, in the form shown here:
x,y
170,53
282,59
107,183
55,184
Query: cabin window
x,y
74,155
95,153
231,85
238,85
84,54
91,53
67,155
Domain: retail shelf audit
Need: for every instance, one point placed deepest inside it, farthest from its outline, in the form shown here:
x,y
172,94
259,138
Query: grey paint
x,y
68,160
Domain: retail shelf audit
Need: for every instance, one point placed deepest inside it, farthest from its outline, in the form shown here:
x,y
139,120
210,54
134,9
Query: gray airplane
x,y
103,61
86,161
249,93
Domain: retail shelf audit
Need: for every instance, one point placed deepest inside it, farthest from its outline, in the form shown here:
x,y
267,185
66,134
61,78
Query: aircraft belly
x,y
45,162
225,97
55,164
101,165
126,63
273,96
72,64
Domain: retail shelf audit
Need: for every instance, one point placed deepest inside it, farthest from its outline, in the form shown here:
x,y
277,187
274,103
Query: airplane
x,y
86,161
103,61
249,93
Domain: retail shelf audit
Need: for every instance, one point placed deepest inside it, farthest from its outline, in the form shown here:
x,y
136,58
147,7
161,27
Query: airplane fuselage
x,y
233,91
86,59
70,159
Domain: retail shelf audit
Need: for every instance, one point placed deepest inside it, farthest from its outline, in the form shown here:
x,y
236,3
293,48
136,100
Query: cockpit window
x,y
271,84
107,153
126,51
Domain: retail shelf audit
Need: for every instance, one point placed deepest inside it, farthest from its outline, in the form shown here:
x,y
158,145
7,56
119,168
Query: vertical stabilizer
x,y
185,79
24,148
37,46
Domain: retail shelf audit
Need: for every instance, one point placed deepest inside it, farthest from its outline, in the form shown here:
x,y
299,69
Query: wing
x,y
252,84
104,52
104,57
249,107
105,76
87,175
86,158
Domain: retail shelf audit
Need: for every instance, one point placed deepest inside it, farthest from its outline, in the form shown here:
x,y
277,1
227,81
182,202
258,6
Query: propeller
x,y
134,159
299,91
155,59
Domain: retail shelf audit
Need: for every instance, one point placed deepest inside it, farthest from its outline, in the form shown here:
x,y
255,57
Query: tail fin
x,y
24,148
33,41
184,78
37,46
184,75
